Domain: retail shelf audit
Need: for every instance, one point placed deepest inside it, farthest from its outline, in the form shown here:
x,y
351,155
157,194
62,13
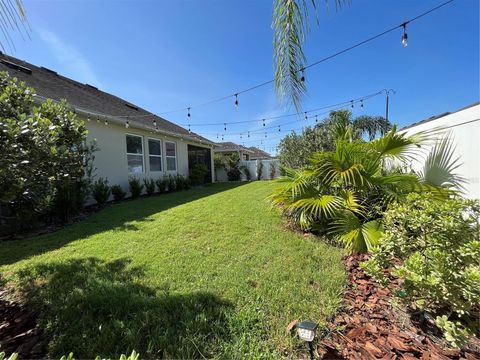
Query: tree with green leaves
x,y
45,162
343,193
295,149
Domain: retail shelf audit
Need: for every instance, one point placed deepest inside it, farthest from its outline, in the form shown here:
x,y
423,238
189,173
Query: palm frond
x,y
396,145
325,206
12,17
441,164
356,236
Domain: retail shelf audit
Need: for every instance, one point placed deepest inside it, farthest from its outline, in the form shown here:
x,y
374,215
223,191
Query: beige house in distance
x,y
131,140
228,147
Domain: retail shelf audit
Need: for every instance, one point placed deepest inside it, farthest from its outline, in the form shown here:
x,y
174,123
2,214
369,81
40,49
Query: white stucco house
x,y
463,127
131,140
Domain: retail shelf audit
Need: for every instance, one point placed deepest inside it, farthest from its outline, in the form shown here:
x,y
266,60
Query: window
x,y
135,154
171,155
155,154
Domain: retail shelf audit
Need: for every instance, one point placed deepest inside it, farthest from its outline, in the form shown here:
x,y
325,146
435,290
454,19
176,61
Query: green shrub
x,y
273,170
118,193
161,185
44,156
259,169
149,186
182,182
101,191
197,174
171,183
246,171
135,187
438,244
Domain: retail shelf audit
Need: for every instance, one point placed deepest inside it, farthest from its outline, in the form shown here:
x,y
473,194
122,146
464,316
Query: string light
x,y
361,103
217,136
316,118
263,121
98,119
265,134
154,123
88,118
306,117
249,134
222,137
106,121
156,128
188,113
351,102
302,79
127,124
404,35
225,126
279,130
241,137
236,101
189,130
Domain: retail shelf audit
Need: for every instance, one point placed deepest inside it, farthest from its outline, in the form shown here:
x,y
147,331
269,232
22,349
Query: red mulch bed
x,y
18,330
371,328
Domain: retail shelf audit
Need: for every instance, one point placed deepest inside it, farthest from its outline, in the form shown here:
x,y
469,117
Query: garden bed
x,y
371,327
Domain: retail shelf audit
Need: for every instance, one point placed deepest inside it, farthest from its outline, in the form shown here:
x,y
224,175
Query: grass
x,y
210,272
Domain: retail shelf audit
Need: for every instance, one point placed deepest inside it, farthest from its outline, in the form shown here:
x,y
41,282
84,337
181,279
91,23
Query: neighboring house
x,y
131,140
463,126
259,154
228,148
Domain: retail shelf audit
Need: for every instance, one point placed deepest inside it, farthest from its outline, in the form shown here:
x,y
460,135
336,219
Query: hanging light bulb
x,y
265,134
302,79
361,103
106,121
279,130
306,117
88,118
222,137
127,124
154,123
98,119
351,102
263,121
189,130
225,126
236,101
188,113
241,136
249,134
404,35
217,136
316,118
261,142
156,128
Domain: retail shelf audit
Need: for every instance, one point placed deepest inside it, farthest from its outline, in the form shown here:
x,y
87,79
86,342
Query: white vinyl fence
x,y
252,166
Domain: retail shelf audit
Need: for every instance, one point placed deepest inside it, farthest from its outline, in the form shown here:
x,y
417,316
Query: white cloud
x,y
72,62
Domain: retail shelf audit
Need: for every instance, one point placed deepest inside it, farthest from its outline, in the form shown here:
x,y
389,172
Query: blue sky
x,y
165,55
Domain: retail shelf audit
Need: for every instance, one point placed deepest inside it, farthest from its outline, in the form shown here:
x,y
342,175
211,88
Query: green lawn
x,y
210,272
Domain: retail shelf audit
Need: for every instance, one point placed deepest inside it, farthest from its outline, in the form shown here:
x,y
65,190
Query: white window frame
x,y
142,154
154,155
175,157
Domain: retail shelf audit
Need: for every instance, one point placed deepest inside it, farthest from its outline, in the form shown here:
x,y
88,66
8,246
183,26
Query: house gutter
x,y
132,123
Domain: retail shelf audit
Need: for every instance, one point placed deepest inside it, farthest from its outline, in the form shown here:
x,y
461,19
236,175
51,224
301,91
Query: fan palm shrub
x,y
343,193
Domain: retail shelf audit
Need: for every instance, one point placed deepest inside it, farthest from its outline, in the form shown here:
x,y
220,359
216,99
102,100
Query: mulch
x,y
18,329
370,327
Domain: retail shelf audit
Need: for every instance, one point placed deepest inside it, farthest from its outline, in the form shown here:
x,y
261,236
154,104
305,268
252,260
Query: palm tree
x,y
290,26
12,16
343,193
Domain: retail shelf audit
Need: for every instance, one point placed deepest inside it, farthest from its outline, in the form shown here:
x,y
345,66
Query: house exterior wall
x,y
111,157
464,128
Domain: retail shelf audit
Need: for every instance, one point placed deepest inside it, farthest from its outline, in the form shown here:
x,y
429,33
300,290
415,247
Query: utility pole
x,y
387,93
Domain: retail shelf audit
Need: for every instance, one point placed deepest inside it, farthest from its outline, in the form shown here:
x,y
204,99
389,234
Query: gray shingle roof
x,y
230,146
49,84
258,153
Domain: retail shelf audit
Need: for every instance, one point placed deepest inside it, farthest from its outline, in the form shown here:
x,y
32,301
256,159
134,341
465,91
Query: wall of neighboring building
x,y
111,158
464,128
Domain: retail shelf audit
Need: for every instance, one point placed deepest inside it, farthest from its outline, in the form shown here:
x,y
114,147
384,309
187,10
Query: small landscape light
x,y
306,331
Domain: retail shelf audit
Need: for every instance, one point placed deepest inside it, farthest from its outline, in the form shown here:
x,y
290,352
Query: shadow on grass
x,y
115,217
91,307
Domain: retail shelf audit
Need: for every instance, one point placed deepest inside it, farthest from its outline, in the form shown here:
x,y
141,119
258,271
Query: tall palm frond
x,y
12,17
396,145
441,164
290,26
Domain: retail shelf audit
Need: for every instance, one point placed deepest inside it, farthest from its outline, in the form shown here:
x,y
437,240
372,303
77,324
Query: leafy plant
x,y
118,193
161,185
182,182
133,356
247,173
273,170
438,244
13,356
259,169
343,193
171,183
101,191
135,186
198,173
233,167
149,186
44,156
